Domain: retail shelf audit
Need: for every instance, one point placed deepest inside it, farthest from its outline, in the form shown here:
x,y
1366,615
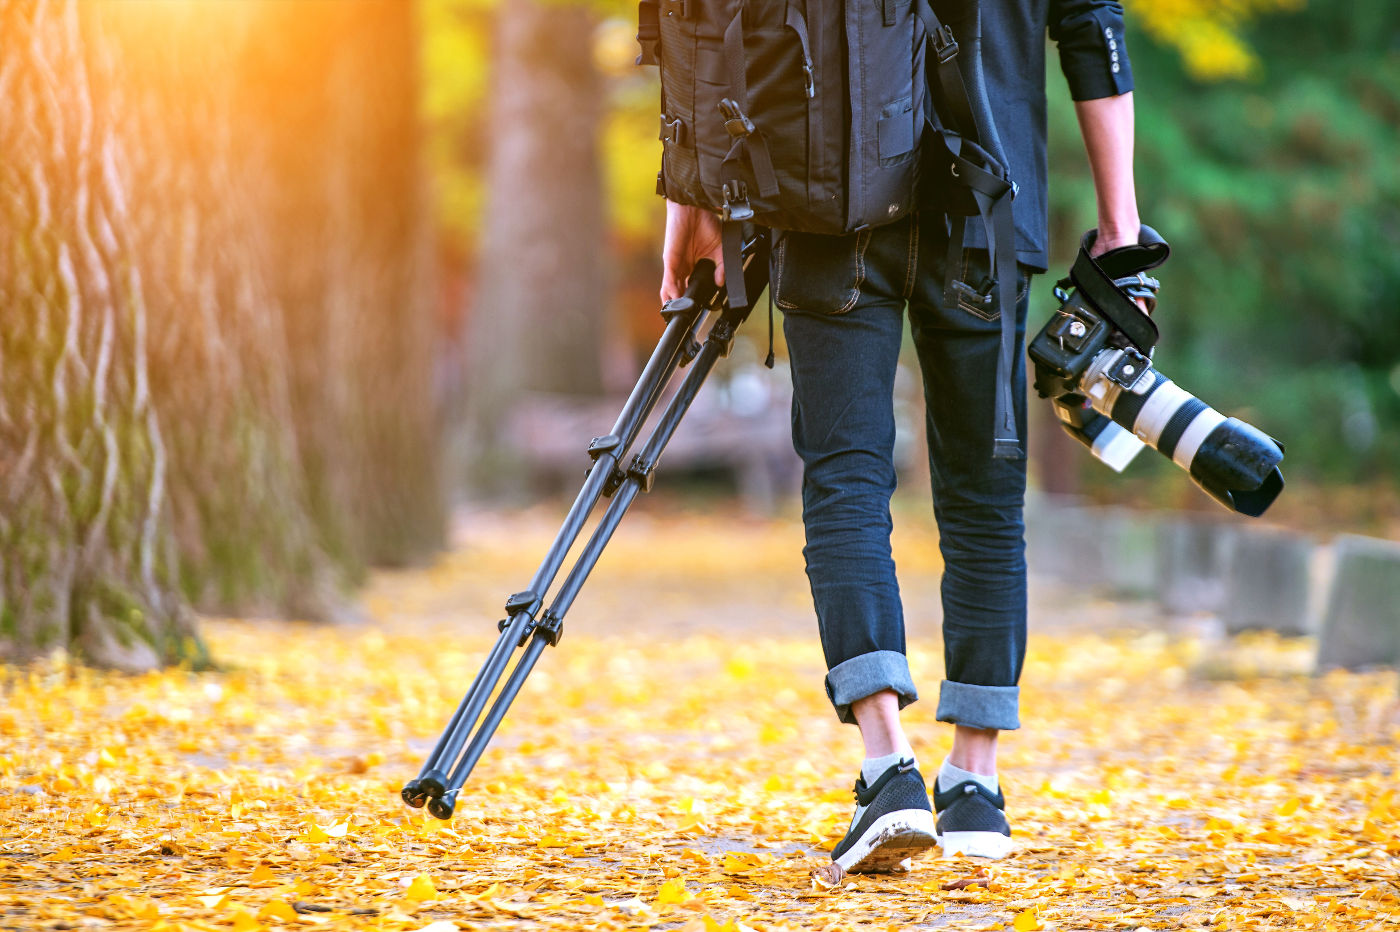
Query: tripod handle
x,y
699,290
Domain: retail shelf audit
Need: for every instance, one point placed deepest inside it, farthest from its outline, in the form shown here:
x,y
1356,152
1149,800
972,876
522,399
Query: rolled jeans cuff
x,y
866,675
980,706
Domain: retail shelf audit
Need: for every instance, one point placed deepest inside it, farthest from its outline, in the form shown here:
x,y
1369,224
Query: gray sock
x,y
872,767
950,776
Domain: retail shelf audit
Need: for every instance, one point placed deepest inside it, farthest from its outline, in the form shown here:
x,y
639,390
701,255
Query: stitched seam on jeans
x,y
910,261
778,282
862,241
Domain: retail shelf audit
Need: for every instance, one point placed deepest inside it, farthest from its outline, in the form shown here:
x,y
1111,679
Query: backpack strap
x,y
986,179
648,31
748,141
943,47
748,145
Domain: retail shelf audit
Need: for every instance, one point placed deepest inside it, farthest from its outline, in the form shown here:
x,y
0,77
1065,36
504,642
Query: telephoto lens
x,y
1236,464
1091,359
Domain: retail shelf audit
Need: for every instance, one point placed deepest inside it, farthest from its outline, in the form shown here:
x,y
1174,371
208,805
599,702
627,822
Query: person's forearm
x,y
1107,127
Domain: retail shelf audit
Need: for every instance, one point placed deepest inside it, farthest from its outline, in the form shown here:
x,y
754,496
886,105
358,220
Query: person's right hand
x,y
692,234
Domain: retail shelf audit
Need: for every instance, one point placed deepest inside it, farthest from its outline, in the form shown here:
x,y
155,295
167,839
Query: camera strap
x,y
1096,279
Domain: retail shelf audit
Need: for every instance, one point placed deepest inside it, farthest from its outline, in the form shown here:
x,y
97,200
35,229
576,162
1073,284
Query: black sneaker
x,y
893,822
971,821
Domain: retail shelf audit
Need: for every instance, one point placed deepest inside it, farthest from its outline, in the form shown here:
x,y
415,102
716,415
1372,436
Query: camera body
x,y
1093,361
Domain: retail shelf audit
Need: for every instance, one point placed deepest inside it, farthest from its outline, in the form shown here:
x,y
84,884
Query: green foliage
x,y
1281,198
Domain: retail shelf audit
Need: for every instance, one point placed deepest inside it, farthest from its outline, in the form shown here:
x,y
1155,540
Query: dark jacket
x,y
1094,59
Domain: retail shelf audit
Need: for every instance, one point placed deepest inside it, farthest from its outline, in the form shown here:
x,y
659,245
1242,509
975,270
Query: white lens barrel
x,y
1158,410
1205,422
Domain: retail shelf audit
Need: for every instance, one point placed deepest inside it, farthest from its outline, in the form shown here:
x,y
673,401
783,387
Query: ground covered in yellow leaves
x,y
673,764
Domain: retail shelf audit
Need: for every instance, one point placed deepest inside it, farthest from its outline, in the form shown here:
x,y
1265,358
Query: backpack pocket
x,y
738,95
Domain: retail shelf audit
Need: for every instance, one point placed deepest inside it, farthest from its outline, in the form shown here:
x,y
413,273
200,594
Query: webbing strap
x,y
1099,287
1001,242
734,59
752,144
952,266
794,21
944,51
731,239
648,31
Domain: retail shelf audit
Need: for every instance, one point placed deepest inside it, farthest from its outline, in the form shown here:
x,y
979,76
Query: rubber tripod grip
x,y
701,286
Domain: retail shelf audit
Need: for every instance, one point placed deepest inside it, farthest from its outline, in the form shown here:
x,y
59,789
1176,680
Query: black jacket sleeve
x,y
1093,55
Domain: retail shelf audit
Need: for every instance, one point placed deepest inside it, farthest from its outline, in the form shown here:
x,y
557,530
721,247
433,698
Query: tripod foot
x,y
413,794
433,783
441,807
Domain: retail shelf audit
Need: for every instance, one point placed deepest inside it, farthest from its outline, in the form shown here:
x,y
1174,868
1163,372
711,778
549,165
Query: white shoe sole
x,y
975,844
890,842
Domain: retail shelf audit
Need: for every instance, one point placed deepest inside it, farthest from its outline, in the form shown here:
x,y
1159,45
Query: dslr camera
x,y
1093,360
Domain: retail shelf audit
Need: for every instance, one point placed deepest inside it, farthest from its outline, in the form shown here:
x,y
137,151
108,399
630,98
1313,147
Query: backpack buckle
x,y
677,8
671,130
736,201
736,122
945,46
810,79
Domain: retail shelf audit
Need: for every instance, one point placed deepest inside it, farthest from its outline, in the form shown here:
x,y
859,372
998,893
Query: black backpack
x,y
827,116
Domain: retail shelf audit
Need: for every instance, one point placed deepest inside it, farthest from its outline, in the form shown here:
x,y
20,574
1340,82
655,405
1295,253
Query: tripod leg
x,y
682,317
432,781
638,479
664,361
443,806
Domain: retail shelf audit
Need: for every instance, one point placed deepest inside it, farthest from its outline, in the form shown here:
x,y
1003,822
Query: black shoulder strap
x,y
943,47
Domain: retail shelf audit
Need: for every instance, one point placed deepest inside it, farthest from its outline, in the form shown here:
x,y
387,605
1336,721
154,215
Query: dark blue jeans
x,y
843,299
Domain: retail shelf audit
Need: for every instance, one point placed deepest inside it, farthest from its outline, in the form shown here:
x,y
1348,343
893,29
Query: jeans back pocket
x,y
819,274
976,274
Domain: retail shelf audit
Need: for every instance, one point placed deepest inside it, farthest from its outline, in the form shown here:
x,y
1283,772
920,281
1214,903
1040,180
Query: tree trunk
x,y
537,320
215,359
351,259
83,529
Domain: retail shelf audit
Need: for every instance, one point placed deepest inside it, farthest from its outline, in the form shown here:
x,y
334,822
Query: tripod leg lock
x,y
614,482
526,601
643,471
605,444
551,628
722,335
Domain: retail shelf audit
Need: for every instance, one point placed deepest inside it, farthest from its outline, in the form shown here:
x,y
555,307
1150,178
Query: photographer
x,y
843,299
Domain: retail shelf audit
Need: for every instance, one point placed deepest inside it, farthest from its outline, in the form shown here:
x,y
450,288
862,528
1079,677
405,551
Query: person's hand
x,y
692,234
1107,239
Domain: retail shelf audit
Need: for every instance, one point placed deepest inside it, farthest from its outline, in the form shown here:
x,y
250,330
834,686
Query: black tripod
x,y
465,738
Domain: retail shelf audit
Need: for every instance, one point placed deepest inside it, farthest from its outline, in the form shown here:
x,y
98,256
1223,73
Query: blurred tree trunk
x,y
538,316
247,539
1056,454
215,357
351,257
84,532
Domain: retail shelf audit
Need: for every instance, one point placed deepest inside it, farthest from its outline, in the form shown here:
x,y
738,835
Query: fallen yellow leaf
x,y
1027,921
278,909
244,921
421,889
673,891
